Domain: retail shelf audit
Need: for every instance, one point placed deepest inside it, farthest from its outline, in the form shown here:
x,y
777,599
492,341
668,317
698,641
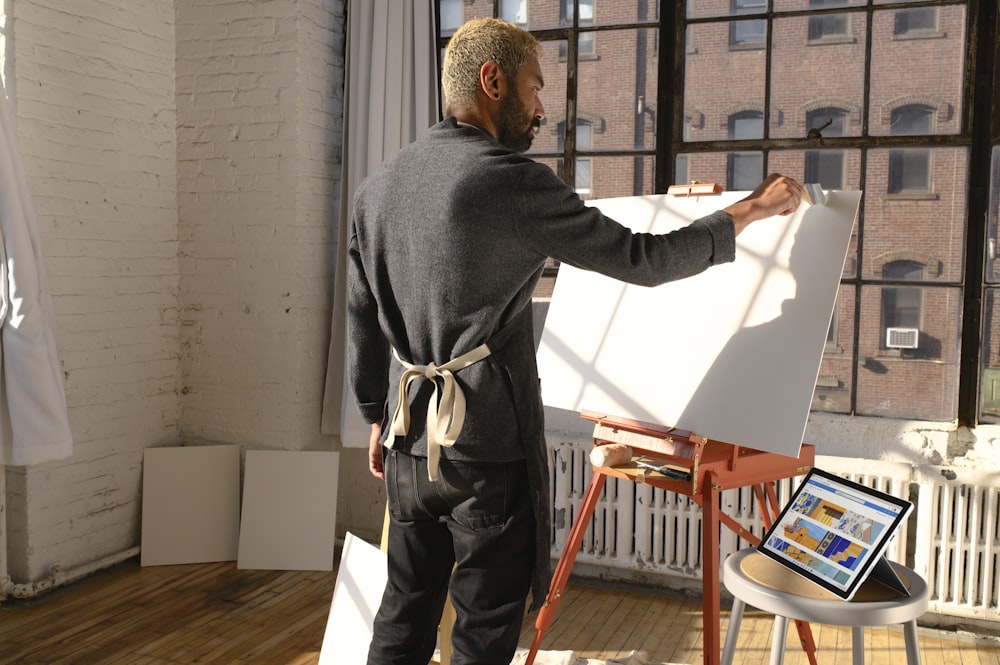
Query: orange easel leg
x,y
710,601
566,561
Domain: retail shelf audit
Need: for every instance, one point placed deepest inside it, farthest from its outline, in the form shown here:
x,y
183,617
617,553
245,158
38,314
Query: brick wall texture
x,y
184,162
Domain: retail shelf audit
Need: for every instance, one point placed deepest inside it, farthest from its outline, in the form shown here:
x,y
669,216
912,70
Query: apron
x,y
513,349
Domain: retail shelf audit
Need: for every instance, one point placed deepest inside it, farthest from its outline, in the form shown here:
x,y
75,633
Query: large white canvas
x,y
357,595
731,354
190,504
289,510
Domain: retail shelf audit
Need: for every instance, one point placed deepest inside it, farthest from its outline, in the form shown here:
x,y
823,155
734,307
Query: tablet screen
x,y
833,531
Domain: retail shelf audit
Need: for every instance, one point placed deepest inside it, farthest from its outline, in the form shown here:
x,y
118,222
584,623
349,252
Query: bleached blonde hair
x,y
474,44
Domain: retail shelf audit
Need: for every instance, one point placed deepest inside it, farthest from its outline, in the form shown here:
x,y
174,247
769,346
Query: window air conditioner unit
x,y
902,338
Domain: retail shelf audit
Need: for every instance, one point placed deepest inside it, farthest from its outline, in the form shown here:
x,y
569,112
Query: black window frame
x,y
979,135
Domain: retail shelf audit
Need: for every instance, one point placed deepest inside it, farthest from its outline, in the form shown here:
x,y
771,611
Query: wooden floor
x,y
214,613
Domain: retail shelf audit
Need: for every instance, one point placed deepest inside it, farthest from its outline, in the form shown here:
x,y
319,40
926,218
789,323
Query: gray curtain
x,y
390,99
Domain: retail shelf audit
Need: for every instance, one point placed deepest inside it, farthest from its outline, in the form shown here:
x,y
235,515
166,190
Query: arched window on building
x,y
902,306
910,168
745,169
826,167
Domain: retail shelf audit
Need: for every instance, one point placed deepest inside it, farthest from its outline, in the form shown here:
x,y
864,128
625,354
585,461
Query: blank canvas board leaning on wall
x,y
731,354
190,504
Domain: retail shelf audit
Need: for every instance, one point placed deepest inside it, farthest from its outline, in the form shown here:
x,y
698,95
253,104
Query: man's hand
x,y
375,452
777,195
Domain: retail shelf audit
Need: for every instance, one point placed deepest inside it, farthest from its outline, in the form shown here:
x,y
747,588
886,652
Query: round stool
x,y
756,580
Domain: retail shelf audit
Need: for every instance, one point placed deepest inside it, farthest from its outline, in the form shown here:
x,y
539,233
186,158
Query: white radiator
x,y
637,529
958,543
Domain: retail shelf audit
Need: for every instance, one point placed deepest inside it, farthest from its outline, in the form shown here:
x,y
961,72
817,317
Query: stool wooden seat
x,y
756,580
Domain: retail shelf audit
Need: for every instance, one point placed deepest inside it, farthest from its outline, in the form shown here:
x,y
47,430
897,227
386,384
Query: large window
x,y
895,99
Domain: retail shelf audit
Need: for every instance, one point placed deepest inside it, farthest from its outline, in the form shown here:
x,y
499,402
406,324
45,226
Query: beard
x,y
515,124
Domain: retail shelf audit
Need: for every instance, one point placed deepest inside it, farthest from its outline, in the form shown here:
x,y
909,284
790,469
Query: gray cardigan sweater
x,y
447,243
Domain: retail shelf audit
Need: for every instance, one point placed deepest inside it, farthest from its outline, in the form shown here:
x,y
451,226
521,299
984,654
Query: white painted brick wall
x,y
184,162
95,114
259,97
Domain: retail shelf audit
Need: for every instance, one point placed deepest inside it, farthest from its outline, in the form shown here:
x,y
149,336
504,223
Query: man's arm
x,y
375,452
777,195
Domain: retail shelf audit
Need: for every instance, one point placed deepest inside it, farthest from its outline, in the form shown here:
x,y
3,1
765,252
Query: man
x,y
447,242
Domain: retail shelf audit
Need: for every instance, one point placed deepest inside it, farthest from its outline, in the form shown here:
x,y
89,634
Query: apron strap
x,y
444,422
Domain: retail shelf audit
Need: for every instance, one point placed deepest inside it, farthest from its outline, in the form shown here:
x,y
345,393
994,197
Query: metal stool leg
x,y
778,636
733,631
858,644
912,646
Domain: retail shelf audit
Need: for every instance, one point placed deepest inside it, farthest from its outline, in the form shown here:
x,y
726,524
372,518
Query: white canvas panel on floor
x,y
731,354
289,510
357,593
190,504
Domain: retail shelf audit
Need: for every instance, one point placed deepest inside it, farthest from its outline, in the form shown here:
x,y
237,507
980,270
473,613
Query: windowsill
x,y
913,196
831,41
903,355
920,34
833,350
746,46
829,383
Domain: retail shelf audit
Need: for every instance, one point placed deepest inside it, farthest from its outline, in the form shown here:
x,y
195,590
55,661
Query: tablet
x,y
834,532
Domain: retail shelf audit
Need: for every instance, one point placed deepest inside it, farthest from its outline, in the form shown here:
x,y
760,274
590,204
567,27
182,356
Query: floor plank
x,y
217,614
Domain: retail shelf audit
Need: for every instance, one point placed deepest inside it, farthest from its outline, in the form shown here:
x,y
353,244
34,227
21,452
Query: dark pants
x,y
476,519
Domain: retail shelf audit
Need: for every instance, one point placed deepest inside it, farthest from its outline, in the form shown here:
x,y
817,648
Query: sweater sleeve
x,y
368,356
556,222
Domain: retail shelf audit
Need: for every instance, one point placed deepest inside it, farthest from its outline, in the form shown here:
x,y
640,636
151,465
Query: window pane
x,y
746,170
830,26
702,9
583,181
835,380
927,228
909,371
747,34
553,99
746,125
451,16
803,84
989,400
799,5
914,21
926,69
909,171
514,11
993,241
617,90
541,14
719,82
456,12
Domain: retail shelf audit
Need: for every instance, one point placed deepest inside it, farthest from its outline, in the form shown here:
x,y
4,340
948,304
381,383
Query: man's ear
x,y
492,81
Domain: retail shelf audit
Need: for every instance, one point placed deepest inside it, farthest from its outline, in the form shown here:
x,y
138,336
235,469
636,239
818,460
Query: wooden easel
x,y
704,468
